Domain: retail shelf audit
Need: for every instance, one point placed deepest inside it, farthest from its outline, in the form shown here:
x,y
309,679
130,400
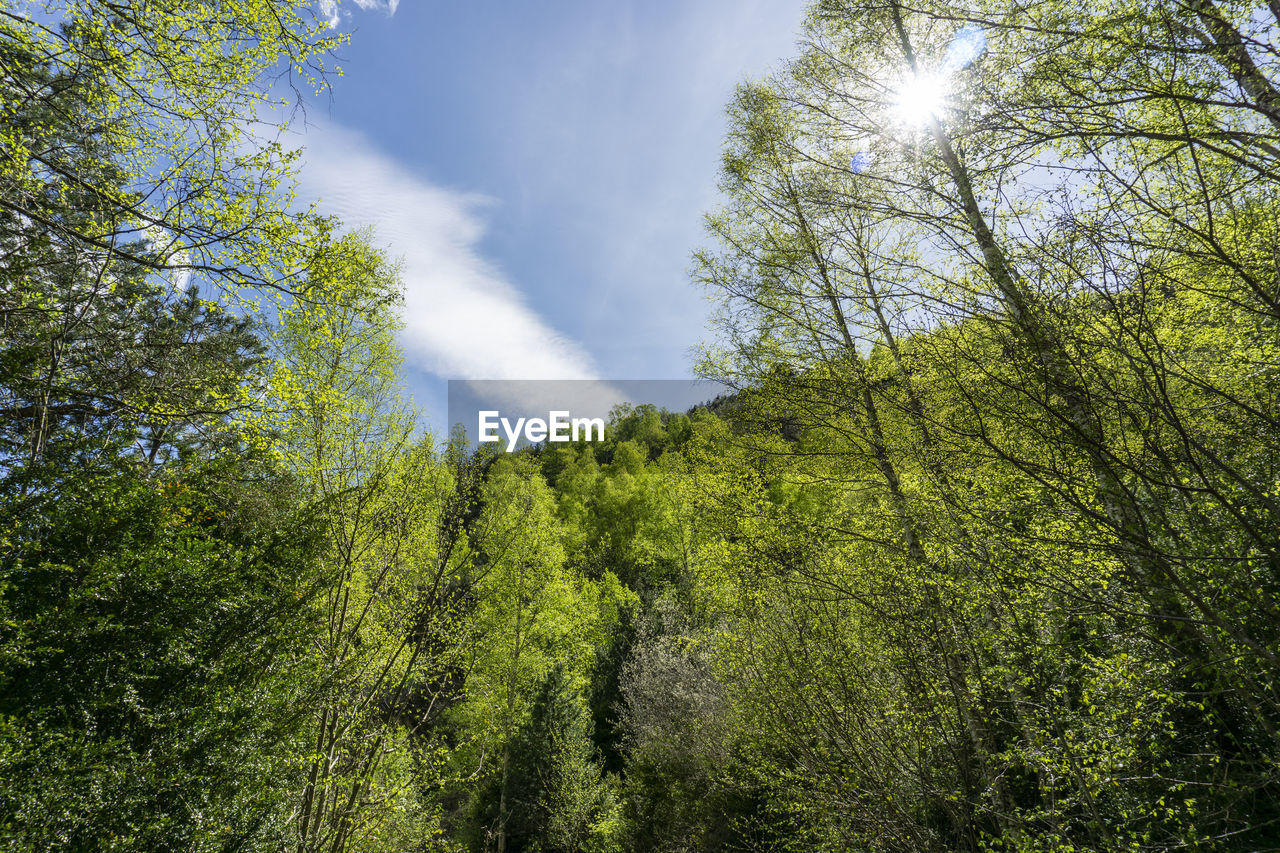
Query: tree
x,y
387,642
155,117
157,608
556,798
957,265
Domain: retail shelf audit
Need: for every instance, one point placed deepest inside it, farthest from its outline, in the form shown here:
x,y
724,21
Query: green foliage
x,y
981,556
149,118
551,796
156,654
988,555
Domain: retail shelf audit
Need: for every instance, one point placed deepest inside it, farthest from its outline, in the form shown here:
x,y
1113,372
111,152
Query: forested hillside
x,y
981,554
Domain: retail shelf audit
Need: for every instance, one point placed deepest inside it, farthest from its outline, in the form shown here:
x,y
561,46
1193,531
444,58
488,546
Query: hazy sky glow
x,y
542,169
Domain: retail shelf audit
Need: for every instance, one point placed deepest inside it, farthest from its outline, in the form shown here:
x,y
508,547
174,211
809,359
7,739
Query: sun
x,y
921,97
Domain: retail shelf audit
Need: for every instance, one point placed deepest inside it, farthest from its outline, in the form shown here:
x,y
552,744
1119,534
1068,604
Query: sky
x,y
541,170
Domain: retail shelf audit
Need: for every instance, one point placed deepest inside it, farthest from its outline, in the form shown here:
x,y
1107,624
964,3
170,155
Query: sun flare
x,y
921,97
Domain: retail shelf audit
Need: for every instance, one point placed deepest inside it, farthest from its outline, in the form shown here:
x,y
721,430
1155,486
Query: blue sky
x,y
542,169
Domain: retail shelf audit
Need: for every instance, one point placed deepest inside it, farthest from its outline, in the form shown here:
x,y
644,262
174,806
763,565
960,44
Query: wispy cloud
x,y
463,318
330,12
389,5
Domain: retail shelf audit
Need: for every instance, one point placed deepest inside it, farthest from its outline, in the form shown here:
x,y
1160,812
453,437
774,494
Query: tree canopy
x,y
980,552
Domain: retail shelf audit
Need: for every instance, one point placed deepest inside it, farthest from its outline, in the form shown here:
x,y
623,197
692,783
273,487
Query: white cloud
x,y
333,15
463,319
329,11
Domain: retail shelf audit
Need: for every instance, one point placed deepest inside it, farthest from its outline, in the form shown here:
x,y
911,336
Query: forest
x,y
980,553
